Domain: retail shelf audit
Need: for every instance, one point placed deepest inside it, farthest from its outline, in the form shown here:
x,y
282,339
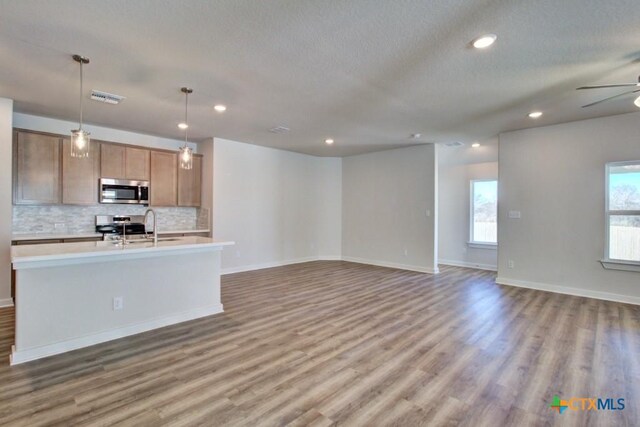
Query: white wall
x,y
62,127
555,176
386,197
457,166
278,206
6,142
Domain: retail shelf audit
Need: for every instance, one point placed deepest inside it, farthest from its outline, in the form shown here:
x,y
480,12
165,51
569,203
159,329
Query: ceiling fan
x,y
636,85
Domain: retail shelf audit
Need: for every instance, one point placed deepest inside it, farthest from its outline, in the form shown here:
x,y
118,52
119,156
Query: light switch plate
x,y
515,214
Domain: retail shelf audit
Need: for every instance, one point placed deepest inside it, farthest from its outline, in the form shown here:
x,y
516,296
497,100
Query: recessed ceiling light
x,y
220,108
535,114
484,41
183,125
637,102
328,141
475,145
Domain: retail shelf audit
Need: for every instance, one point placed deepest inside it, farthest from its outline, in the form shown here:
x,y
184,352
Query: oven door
x,y
123,191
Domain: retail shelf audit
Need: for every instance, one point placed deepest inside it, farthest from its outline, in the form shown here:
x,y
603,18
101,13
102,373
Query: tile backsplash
x,y
81,219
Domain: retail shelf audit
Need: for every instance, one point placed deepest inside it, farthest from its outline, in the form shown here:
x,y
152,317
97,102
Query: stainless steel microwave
x,y
124,191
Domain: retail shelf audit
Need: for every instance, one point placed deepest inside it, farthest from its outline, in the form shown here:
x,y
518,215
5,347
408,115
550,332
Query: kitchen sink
x,y
147,240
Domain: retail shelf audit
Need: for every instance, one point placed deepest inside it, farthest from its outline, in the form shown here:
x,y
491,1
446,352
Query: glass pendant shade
x,y
186,157
80,139
637,102
80,142
186,153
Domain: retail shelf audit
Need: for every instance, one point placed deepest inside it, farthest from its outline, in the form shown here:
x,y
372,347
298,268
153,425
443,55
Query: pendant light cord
x,y
81,78
186,113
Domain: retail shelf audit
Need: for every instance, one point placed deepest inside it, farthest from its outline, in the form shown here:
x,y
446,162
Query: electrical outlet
x,y
237,254
511,264
118,303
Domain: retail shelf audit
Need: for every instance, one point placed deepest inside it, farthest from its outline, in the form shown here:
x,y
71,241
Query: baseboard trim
x,y
607,296
27,355
465,264
391,265
7,302
253,267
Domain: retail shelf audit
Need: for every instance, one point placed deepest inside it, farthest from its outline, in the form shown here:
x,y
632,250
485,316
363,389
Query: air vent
x,y
279,129
107,98
454,144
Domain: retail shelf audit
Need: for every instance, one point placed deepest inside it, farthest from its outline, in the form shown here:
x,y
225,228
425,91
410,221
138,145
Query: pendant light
x,y
80,138
186,153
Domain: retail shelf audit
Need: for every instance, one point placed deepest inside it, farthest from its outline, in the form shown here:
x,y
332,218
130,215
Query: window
x,y
484,212
623,212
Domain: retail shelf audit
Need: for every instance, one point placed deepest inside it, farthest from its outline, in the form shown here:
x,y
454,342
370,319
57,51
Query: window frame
x,y
608,262
471,242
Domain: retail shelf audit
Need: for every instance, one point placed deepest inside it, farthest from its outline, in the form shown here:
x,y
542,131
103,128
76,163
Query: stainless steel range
x,y
121,227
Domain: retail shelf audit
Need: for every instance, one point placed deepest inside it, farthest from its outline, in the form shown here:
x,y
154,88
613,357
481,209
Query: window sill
x,y
477,245
610,264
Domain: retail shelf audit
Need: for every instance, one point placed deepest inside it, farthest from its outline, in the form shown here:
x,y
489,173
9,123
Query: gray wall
x,y
555,176
457,166
278,206
385,200
6,142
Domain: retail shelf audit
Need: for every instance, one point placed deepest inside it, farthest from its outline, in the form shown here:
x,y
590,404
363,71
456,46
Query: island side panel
x,y
67,307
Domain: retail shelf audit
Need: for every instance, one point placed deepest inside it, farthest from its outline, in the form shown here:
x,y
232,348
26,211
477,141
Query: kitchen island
x,y
73,295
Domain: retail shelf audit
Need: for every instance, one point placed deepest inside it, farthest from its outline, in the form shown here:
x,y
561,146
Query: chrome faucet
x,y
155,224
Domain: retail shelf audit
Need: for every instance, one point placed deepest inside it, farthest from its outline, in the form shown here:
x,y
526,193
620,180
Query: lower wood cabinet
x,y
164,179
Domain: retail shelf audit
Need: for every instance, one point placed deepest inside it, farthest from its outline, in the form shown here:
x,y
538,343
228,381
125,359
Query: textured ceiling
x,y
366,72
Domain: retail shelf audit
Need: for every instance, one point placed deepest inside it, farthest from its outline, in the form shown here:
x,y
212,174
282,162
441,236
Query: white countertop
x,y
54,236
56,254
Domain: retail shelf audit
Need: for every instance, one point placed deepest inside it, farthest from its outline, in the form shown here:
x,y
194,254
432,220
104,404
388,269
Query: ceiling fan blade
x,y
611,97
605,86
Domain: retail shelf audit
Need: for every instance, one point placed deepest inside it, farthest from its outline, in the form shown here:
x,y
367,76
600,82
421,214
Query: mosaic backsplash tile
x,y
81,219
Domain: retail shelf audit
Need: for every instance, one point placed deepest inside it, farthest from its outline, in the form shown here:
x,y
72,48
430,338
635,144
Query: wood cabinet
x,y
190,184
136,163
112,161
122,162
164,179
45,173
36,168
80,176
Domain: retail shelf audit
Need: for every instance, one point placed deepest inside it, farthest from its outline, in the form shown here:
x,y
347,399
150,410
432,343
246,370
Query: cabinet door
x,y
36,169
190,184
137,163
80,176
164,179
112,161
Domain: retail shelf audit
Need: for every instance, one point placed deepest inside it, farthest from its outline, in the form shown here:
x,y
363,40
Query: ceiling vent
x,y
454,144
107,98
279,129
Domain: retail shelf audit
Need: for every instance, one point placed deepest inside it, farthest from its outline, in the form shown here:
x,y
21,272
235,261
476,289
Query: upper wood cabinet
x,y
136,163
80,176
164,179
45,173
121,162
36,173
190,184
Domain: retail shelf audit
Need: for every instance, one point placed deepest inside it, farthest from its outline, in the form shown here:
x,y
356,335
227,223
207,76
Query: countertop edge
x,y
54,236
37,261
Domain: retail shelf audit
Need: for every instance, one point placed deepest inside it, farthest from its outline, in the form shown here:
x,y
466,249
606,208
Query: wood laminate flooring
x,y
338,343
